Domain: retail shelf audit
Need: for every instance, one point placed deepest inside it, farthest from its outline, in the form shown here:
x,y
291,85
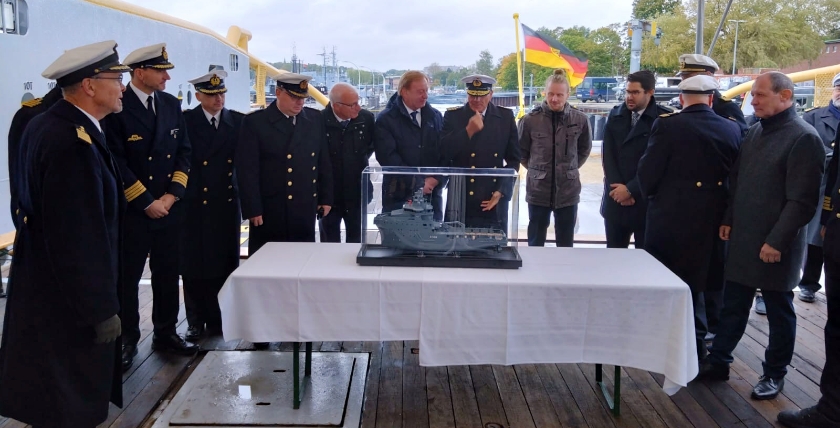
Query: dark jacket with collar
x,y
621,149
284,173
65,274
210,239
683,176
350,149
153,152
730,110
28,110
399,142
826,125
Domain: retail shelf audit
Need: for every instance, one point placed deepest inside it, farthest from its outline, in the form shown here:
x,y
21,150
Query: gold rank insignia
x,y
827,203
134,137
215,81
304,85
164,54
83,135
667,114
32,103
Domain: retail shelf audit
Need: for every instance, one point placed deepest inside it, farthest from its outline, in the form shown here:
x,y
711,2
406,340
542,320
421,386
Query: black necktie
x,y
149,102
344,123
414,118
213,122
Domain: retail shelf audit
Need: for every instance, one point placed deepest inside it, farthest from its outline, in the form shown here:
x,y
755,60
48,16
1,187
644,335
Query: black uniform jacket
x,y
65,276
153,153
210,238
495,146
350,150
684,175
284,173
730,110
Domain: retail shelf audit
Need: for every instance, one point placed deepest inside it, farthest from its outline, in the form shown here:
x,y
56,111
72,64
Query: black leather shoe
x,y
128,354
810,417
173,343
760,306
806,295
194,333
768,388
709,371
214,330
261,345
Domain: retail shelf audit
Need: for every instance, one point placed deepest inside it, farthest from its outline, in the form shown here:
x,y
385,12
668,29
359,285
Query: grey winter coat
x,y
774,189
554,145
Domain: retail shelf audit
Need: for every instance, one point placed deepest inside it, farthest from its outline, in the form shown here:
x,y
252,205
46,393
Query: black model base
x,y
379,255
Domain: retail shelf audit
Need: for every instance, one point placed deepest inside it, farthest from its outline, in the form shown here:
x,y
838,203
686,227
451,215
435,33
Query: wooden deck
x,y
400,393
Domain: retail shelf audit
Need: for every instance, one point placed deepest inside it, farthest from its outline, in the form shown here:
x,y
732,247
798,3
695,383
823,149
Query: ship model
x,y
413,228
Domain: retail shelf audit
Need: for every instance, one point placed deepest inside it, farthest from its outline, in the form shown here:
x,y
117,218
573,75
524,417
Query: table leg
x,y
296,375
615,401
307,366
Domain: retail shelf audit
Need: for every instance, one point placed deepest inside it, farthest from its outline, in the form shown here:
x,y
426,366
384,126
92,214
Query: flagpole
x,y
519,69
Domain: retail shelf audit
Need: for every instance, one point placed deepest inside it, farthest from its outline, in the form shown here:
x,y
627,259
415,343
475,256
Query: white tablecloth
x,y
581,305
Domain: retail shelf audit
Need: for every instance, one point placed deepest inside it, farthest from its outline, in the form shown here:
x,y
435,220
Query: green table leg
x,y
613,402
307,366
299,386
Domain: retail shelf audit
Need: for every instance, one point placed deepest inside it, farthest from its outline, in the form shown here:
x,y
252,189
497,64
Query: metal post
x,y
735,50
636,45
531,90
698,43
720,26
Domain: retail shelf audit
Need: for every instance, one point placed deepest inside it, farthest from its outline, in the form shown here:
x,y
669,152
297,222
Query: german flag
x,y
551,53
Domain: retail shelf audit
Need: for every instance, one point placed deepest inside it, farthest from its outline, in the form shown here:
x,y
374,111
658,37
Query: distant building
x,y
830,55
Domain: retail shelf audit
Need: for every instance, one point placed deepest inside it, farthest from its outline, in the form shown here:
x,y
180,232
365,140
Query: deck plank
x,y
415,408
464,404
487,396
439,398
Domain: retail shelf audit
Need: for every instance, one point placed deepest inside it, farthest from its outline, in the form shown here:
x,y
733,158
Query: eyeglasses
x,y
118,78
354,105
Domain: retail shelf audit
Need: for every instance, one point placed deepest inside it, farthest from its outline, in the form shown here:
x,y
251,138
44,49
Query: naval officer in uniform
x,y
696,64
283,167
149,141
683,175
59,352
481,135
210,238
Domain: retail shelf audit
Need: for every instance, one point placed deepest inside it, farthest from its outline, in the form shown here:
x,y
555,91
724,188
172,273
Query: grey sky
x,y
382,35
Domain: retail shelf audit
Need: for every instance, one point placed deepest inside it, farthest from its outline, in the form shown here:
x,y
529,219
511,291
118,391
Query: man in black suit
x,y
62,325
350,141
210,239
149,142
625,140
481,135
283,167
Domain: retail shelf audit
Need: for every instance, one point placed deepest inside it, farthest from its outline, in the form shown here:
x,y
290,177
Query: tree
x,y
649,9
776,34
484,65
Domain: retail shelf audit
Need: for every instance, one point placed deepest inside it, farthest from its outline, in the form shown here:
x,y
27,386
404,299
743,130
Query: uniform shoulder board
x,y
809,109
732,119
668,114
32,103
454,108
83,135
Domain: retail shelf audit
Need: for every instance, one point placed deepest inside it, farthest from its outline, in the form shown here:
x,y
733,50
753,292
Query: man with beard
x,y
481,135
683,175
626,137
62,324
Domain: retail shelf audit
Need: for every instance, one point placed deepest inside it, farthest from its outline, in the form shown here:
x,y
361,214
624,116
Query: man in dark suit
x,y
826,413
481,135
283,167
825,121
625,140
150,144
210,239
408,135
350,141
62,326
684,177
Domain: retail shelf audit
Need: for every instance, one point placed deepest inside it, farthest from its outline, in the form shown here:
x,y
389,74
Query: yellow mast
x,y
519,69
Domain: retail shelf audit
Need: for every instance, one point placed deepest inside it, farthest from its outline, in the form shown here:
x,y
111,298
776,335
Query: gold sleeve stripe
x,y
134,191
827,203
180,178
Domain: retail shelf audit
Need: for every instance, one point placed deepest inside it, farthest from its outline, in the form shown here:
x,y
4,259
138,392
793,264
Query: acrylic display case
x,y
403,224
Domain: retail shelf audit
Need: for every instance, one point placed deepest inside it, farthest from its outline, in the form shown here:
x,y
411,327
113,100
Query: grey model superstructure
x,y
413,228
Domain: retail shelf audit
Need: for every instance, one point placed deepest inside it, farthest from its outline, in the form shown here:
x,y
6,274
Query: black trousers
x,y
812,270
161,246
618,234
564,225
352,217
203,307
829,404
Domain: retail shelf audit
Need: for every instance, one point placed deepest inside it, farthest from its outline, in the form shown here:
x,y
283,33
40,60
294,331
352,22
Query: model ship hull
x,y
441,240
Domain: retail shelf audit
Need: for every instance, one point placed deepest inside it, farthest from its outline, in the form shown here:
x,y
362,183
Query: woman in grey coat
x,y
775,186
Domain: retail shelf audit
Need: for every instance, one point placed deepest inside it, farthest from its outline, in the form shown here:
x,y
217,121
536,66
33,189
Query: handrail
x,y
237,37
799,76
